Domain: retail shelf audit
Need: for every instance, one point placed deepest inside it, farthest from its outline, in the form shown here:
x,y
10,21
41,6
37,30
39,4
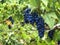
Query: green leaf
x,y
34,3
45,2
50,19
57,35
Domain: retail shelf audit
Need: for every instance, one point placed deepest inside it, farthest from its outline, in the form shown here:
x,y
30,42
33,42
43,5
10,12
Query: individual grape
x,y
51,34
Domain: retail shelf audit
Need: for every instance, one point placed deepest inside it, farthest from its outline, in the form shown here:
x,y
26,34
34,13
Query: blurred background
x,y
13,29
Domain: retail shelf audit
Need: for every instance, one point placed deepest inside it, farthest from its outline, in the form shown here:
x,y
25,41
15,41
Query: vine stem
x,y
57,26
38,6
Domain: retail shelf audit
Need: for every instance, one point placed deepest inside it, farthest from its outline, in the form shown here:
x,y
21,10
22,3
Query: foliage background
x,y
21,35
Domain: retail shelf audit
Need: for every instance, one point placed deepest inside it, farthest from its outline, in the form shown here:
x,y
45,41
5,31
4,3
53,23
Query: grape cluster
x,y
33,17
39,23
51,34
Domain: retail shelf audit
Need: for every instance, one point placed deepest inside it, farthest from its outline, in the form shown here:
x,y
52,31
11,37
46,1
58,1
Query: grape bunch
x,y
39,23
33,17
51,34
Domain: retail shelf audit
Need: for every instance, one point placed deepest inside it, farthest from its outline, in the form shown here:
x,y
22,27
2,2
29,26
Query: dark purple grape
x,y
33,17
51,34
